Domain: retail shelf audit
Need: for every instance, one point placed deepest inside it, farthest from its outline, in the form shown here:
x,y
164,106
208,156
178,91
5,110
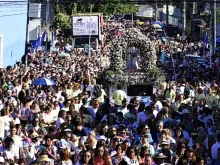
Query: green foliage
x,y
218,15
64,11
207,16
62,21
109,7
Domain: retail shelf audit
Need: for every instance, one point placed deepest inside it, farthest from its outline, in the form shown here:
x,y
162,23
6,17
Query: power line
x,y
19,9
20,14
17,5
124,1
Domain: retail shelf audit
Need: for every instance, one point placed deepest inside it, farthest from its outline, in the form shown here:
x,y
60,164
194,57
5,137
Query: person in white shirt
x,y
7,120
124,108
8,151
156,103
18,141
215,147
61,119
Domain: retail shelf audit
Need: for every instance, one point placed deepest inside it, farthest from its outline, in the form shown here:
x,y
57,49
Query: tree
x,y
62,21
218,15
207,17
65,9
109,7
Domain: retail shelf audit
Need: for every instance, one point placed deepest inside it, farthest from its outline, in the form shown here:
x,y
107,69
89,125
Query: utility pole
x,y
47,24
184,20
194,7
156,10
27,36
213,28
167,13
90,29
194,12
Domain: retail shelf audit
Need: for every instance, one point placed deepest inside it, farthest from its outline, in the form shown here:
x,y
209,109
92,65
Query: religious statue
x,y
133,60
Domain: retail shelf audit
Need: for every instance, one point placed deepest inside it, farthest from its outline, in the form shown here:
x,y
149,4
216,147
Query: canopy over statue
x,y
143,59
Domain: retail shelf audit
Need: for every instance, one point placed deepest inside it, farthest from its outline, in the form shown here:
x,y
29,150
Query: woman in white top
x,y
46,117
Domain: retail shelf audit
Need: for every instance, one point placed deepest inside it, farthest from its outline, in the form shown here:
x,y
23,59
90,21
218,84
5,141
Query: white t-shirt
x,y
18,143
10,154
159,106
59,122
7,121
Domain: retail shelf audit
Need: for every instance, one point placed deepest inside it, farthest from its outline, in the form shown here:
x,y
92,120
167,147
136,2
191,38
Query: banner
x,y
145,12
82,25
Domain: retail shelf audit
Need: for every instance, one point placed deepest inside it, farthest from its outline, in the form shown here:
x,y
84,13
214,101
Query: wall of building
x,y
34,29
13,20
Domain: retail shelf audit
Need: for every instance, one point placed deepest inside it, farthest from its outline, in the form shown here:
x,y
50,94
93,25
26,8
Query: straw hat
x,y
34,135
44,158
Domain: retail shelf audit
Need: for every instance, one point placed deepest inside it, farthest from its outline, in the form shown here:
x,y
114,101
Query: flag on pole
x,y
43,36
206,39
37,43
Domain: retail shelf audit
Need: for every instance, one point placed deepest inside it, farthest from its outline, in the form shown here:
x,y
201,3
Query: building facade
x,y
13,20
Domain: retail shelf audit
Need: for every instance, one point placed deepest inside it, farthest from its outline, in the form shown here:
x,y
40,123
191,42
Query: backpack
x,y
186,92
97,91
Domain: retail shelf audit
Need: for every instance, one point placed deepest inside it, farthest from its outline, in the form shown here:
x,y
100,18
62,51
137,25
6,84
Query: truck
x,y
87,26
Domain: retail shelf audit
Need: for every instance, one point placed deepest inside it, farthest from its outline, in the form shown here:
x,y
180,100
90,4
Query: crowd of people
x,y
74,121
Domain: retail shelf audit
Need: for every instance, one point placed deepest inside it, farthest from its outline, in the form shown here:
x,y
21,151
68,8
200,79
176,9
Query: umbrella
x,y
43,82
158,23
156,26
